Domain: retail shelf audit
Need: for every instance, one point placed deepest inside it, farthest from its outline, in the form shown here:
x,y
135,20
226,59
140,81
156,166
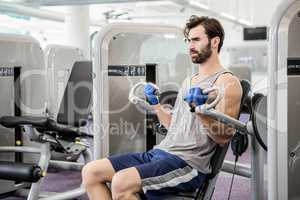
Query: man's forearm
x,y
163,115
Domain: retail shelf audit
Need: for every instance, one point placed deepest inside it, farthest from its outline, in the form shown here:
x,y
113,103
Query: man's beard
x,y
203,55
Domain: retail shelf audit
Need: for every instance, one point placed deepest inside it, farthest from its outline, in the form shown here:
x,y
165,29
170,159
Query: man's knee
x,y
96,172
88,175
125,184
120,188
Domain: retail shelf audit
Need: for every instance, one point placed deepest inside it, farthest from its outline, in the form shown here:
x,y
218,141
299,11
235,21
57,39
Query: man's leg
x,y
96,173
126,184
167,174
94,177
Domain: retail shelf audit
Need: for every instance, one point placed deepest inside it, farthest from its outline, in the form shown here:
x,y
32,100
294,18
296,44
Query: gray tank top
x,y
187,137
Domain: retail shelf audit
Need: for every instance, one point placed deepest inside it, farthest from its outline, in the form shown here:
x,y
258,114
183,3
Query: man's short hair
x,y
212,26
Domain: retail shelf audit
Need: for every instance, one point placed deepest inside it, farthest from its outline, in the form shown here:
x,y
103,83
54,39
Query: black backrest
x,y
246,99
76,102
219,155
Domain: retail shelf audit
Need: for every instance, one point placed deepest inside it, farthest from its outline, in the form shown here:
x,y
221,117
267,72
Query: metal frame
x,y
49,54
44,163
277,101
256,171
28,57
42,139
100,64
101,116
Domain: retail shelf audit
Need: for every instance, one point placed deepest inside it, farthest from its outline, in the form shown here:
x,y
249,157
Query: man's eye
x,y
187,40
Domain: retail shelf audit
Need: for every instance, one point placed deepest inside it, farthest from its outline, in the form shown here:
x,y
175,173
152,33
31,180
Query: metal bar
x,y
257,165
43,163
52,195
32,133
17,99
210,189
24,193
22,149
241,169
87,155
67,195
277,189
22,185
242,127
21,193
64,165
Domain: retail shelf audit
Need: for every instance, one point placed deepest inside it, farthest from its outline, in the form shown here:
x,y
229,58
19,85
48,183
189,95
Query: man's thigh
x,y
168,175
125,161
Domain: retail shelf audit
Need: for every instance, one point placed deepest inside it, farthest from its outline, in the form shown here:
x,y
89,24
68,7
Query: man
x,y
182,160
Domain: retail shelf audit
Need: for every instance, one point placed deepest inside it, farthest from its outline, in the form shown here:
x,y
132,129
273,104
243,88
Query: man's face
x,y
199,45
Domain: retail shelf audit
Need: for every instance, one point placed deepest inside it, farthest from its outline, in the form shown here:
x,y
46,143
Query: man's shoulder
x,y
227,78
230,83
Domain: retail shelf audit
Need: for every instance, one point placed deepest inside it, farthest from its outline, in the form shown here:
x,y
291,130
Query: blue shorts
x,y
162,173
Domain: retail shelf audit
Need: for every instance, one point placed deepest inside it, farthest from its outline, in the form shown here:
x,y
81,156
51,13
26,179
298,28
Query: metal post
x,y
241,169
43,163
257,166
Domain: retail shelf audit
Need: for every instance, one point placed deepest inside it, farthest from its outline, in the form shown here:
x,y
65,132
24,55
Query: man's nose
x,y
192,48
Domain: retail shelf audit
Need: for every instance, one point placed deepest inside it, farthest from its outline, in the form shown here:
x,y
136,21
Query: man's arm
x,y
151,92
229,105
163,115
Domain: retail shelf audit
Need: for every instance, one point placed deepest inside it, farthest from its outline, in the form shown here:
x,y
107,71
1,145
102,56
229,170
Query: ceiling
x,y
239,12
129,10
68,2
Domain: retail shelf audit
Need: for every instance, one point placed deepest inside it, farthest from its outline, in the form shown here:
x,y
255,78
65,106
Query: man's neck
x,y
211,66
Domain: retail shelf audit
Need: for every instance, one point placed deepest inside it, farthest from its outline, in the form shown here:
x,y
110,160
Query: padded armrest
x,y
42,124
246,99
13,121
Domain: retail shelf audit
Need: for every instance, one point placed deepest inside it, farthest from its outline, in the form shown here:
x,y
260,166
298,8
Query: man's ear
x,y
215,42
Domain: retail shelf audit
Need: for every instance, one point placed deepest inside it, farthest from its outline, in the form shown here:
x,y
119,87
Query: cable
x,y
231,184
